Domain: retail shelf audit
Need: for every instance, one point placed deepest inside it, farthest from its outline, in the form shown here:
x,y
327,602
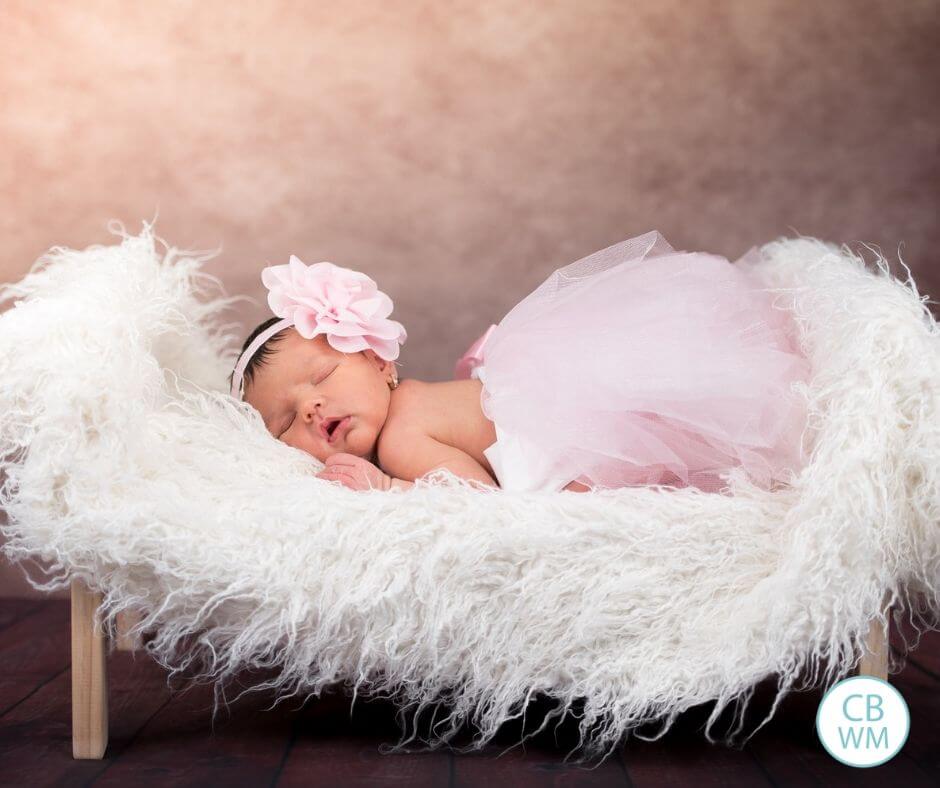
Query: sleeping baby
x,y
349,410
635,365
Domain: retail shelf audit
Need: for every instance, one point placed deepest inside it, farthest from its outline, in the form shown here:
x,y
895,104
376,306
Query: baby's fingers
x,y
342,458
338,476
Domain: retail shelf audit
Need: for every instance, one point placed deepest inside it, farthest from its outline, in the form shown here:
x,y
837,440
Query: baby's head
x,y
316,398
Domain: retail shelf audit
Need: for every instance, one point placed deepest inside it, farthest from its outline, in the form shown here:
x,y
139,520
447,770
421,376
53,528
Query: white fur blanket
x,y
126,464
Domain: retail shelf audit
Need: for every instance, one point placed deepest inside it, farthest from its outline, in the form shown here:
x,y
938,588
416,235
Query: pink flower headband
x,y
326,299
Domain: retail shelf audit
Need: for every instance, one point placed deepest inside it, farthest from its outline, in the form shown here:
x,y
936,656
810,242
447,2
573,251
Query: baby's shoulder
x,y
431,423
444,412
408,414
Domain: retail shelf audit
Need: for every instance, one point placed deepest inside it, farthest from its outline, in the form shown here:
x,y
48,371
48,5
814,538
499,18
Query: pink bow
x,y
473,357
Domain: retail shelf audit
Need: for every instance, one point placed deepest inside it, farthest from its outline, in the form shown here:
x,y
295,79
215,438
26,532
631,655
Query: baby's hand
x,y
354,472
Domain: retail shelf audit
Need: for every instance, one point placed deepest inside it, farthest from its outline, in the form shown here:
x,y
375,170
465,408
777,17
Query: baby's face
x,y
306,386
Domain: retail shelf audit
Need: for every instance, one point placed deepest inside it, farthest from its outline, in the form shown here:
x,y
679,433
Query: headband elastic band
x,y
245,357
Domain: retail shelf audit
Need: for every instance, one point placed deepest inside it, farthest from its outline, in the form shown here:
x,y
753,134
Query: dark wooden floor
x,y
164,737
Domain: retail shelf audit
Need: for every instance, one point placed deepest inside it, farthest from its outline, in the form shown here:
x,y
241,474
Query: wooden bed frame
x,y
90,674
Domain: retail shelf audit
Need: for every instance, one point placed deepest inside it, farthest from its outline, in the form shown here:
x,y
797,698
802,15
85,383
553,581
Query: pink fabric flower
x,y
346,305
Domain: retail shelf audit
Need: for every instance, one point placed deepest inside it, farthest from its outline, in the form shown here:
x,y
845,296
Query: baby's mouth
x,y
333,428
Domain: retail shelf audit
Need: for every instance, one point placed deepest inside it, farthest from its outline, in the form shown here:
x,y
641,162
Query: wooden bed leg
x,y
126,620
89,675
874,661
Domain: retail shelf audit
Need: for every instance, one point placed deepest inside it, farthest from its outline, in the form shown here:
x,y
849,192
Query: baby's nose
x,y
311,410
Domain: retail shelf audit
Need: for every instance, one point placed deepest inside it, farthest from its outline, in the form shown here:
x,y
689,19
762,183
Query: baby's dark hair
x,y
261,354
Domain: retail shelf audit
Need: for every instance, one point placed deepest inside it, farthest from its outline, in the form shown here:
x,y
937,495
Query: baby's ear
x,y
380,363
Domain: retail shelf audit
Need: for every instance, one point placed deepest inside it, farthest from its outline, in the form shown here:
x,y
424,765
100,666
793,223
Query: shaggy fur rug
x,y
125,463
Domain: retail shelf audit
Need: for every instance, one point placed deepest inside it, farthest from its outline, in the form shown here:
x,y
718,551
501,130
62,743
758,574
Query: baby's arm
x,y
407,456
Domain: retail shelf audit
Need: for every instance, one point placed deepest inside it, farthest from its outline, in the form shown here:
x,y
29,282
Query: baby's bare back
x,y
448,411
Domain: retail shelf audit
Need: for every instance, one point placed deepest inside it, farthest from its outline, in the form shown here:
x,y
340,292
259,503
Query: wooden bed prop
x,y
90,670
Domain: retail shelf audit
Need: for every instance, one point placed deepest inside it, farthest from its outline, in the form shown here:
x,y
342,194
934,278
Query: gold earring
x,y
393,383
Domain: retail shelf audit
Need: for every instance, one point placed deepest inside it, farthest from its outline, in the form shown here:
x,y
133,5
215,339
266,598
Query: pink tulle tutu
x,y
642,365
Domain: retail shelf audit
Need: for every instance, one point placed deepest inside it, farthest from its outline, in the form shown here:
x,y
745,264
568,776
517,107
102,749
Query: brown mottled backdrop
x,y
458,152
